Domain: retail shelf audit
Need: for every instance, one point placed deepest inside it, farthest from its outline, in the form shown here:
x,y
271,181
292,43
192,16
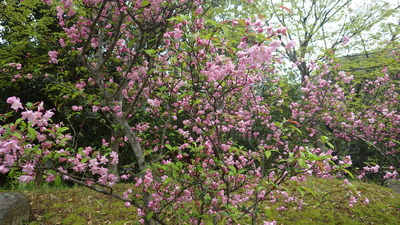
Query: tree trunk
x,y
135,145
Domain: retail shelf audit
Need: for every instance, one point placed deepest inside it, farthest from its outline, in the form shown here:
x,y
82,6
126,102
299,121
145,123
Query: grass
x,y
323,204
328,205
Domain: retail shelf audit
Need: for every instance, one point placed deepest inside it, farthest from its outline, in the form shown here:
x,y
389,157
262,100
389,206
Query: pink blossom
x,y
347,182
362,174
18,66
345,40
48,2
61,159
199,10
30,115
282,30
28,168
89,183
9,160
282,208
352,201
104,142
348,79
10,145
375,168
80,85
389,175
125,177
62,42
15,103
77,108
261,195
103,179
140,212
94,42
153,102
114,157
25,178
53,57
50,178
4,169
117,108
95,108
148,178
79,167
48,115
102,159
289,46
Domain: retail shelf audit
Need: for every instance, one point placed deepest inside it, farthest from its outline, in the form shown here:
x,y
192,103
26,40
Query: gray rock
x,y
394,185
14,208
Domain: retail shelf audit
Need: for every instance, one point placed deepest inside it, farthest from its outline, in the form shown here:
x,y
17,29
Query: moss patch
x,y
325,205
328,205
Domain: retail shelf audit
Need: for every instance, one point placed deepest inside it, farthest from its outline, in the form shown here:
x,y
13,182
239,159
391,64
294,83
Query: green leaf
x,y
307,189
349,173
267,154
168,146
11,173
232,170
301,191
31,133
150,52
345,165
17,135
62,129
58,181
277,124
18,121
148,217
85,160
302,163
167,180
330,145
296,129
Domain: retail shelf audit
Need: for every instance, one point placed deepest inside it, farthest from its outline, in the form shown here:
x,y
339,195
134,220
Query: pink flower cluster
x,y
53,57
17,146
218,139
15,103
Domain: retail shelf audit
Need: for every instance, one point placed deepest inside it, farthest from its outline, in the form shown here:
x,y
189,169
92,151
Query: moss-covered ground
x,y
328,205
324,203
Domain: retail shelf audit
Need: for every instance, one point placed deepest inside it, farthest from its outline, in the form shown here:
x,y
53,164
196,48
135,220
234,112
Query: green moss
x,y
326,204
49,215
124,222
74,219
329,206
